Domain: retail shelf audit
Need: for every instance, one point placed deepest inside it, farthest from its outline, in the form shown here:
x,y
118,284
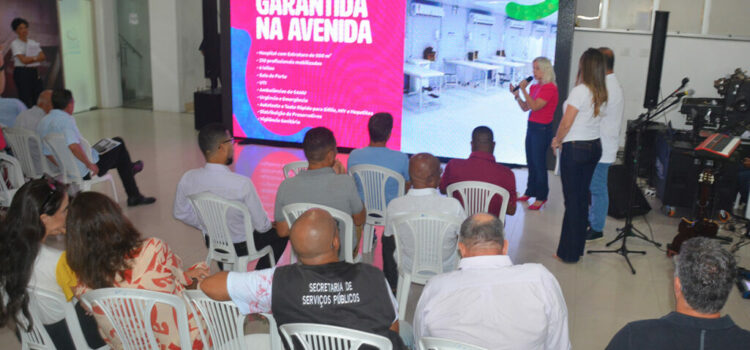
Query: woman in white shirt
x,y
27,54
580,149
37,211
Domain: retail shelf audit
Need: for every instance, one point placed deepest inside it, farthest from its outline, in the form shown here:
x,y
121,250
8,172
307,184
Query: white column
x,y
165,61
107,59
603,14
706,22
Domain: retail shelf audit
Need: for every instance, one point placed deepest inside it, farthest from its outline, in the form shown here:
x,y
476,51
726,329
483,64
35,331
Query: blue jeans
x,y
538,138
599,197
577,163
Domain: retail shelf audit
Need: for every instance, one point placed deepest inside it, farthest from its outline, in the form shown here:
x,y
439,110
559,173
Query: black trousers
x,y
261,240
119,158
28,84
61,335
390,268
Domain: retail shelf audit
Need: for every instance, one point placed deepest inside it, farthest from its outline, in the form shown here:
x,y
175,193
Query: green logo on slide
x,y
531,12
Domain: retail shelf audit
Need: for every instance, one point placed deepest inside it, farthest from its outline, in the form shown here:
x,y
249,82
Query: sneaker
x,y
592,235
137,167
140,200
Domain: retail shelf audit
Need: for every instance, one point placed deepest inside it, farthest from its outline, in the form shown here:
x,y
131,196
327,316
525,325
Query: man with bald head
x,y
481,166
30,118
490,302
423,196
319,289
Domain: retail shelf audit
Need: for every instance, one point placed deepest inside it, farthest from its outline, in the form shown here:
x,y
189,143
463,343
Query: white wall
x,y
703,60
165,62
190,22
108,66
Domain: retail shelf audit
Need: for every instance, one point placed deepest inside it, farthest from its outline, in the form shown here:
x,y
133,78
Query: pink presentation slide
x,y
307,63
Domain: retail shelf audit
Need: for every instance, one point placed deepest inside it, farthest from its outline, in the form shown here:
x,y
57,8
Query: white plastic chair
x,y
71,317
37,337
67,162
129,312
14,180
226,324
427,231
431,343
324,337
27,147
345,221
373,179
294,168
477,195
212,212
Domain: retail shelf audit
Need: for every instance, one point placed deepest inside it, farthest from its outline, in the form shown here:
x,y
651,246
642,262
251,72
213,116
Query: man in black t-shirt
x,y
704,275
318,289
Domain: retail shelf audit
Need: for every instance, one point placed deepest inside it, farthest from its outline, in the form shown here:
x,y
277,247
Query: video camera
x,y
729,114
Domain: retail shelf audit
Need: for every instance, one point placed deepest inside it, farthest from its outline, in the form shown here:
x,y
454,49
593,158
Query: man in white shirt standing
x,y
27,55
424,170
610,136
490,302
216,177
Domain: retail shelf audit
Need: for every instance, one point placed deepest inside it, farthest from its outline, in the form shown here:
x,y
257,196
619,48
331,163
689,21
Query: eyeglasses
x,y
232,141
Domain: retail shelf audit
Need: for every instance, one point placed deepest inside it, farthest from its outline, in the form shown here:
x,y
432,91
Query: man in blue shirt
x,y
10,108
60,121
380,127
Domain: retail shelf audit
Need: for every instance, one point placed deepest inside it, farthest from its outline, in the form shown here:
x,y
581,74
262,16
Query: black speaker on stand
x,y
650,102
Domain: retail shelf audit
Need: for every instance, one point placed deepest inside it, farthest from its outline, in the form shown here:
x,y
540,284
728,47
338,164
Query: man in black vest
x,y
319,289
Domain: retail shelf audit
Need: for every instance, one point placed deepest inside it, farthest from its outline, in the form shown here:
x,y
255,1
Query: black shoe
x,y
140,200
592,235
137,167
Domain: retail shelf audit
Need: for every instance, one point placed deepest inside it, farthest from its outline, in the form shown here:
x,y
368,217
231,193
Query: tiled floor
x,y
600,292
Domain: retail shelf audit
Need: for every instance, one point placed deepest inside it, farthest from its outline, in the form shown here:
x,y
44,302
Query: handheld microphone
x,y
685,80
528,80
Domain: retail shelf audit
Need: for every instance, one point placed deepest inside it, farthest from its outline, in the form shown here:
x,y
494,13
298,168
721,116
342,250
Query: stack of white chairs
x,y
373,180
212,212
477,195
67,163
346,225
324,337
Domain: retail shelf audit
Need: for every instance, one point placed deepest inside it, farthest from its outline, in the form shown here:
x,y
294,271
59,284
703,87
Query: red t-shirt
x,y
481,166
547,92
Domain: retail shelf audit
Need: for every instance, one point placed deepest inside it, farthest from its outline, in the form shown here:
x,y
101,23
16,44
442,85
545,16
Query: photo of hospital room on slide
x,y
460,56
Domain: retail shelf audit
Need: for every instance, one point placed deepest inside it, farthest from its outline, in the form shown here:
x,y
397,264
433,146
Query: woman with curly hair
x,y
105,250
37,211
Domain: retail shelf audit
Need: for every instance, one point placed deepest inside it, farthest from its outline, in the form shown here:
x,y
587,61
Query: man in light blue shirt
x,y
10,108
380,127
60,121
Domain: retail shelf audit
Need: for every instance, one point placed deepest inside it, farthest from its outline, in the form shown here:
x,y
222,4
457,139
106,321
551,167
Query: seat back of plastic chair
x,y
27,146
36,337
212,212
294,168
11,178
427,231
223,319
477,195
129,312
324,337
57,300
431,343
346,224
65,159
373,178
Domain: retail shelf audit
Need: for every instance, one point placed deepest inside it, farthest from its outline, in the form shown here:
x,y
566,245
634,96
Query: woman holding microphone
x,y
578,138
27,54
541,99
